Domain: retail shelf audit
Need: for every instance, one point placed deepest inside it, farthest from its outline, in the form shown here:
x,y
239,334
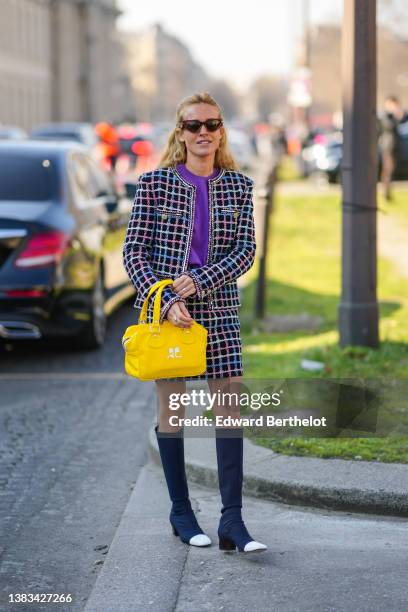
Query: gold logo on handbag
x,y
154,350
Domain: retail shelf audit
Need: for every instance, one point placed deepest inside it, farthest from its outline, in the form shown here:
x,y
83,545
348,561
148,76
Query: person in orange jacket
x,y
109,143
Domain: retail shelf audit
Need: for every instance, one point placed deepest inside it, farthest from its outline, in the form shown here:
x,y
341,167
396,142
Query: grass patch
x,y
288,170
387,450
304,277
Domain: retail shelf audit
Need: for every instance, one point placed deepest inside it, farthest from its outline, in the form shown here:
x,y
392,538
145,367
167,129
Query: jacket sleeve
x,y
238,261
137,248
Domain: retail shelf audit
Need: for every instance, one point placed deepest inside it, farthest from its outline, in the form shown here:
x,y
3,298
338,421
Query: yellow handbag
x,y
154,350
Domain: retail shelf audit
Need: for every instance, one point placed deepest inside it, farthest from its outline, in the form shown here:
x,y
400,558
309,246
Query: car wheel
x,y
93,334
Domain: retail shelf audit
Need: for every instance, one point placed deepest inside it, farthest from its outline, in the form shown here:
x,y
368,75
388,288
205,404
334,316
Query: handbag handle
x,y
160,285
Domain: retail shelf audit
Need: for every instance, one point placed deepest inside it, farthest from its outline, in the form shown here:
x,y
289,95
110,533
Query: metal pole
x,y
84,9
306,52
260,296
306,33
358,309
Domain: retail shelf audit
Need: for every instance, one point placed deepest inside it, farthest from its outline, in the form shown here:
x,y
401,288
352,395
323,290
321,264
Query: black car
x,y
79,132
62,227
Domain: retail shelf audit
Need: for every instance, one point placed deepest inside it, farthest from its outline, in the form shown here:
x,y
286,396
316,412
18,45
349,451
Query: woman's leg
x,y
226,391
170,440
229,441
165,389
388,166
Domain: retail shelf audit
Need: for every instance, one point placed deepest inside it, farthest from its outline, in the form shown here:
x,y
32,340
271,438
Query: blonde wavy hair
x,y
176,152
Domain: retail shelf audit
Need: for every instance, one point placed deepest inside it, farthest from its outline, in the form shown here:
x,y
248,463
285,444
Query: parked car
x,y
323,159
323,156
241,148
83,133
62,227
11,132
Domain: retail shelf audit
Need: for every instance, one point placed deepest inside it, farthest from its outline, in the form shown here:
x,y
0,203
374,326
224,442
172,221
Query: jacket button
x,y
164,217
236,214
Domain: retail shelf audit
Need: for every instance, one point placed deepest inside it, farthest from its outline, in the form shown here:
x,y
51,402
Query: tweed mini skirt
x,y
224,347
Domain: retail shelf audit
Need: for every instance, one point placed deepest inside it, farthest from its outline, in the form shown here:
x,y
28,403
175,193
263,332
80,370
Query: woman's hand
x,y
184,286
179,315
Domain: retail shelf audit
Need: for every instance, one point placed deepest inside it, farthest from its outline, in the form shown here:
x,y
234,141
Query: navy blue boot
x,y
232,532
182,517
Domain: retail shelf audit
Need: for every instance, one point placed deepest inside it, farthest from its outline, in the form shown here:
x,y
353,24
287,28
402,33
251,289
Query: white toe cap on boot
x,y
254,546
200,540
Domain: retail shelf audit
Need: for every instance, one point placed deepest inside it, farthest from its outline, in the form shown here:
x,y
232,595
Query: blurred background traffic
x,y
88,91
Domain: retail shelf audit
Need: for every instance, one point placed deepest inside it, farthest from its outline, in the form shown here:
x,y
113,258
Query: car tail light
x,y
42,250
25,293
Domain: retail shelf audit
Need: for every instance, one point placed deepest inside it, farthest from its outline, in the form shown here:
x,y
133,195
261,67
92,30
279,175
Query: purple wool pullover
x,y
199,242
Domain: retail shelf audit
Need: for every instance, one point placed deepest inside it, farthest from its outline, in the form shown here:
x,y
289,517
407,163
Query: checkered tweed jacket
x,y
158,238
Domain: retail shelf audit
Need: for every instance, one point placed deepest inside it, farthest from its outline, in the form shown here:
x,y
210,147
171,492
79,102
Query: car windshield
x,y
24,179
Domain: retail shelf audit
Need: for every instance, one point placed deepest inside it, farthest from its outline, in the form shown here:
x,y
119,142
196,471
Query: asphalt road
x,y
72,442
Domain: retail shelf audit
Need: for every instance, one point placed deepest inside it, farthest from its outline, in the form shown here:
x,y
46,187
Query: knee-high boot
x,y
182,517
232,532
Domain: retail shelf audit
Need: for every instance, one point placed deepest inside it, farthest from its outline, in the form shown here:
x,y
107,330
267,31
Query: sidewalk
x,y
138,562
311,554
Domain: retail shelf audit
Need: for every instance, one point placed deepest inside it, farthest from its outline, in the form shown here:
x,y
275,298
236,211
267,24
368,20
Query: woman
x,y
192,221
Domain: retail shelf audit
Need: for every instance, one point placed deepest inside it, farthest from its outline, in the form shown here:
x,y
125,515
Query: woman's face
x,y
203,143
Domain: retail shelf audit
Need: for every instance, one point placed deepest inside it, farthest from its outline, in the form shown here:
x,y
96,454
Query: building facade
x,y
325,62
162,72
61,60
25,62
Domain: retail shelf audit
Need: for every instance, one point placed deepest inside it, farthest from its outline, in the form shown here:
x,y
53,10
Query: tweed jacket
x,y
158,238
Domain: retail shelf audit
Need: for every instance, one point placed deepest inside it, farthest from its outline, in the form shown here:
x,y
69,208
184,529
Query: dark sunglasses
x,y
194,126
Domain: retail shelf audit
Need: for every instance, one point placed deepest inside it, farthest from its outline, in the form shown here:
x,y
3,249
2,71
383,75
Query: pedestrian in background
x,y
108,146
192,221
390,141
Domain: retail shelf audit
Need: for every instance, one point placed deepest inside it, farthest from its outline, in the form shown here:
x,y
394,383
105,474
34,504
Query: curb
x,y
335,484
144,566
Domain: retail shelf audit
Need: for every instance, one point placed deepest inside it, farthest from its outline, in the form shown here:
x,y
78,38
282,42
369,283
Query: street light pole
x,y
358,309
306,32
306,50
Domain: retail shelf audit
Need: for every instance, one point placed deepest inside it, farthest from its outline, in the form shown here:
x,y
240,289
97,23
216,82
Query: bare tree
x,y
226,97
270,95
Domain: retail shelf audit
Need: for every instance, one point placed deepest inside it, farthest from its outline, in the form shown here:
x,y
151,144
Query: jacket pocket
x,y
229,210
225,226
164,212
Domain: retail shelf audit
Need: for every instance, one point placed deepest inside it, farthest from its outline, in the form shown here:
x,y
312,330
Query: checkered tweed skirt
x,y
224,348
